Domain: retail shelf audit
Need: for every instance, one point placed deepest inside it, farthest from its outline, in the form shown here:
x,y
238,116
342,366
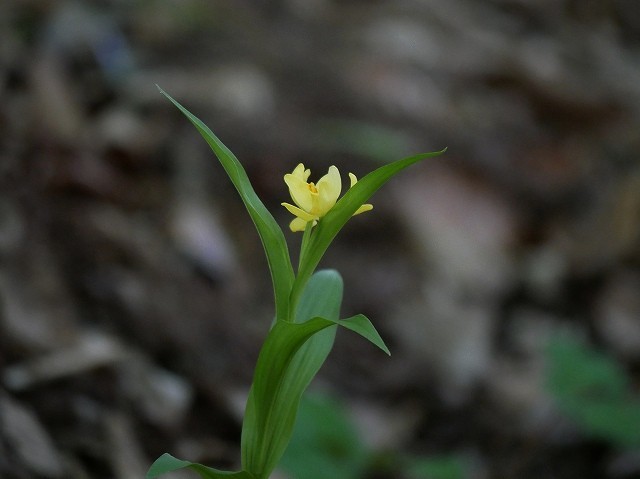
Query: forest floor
x,y
503,275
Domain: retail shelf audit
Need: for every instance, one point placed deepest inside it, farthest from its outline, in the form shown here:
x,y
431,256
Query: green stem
x,y
304,250
305,244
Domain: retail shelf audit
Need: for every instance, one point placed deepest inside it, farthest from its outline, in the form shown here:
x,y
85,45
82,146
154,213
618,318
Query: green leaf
x,y
167,463
578,371
337,136
593,390
329,226
270,233
290,358
271,409
322,297
274,397
360,324
325,442
437,467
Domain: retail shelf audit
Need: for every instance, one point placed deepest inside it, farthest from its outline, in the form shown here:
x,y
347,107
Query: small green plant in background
x,y
437,467
594,391
307,303
327,444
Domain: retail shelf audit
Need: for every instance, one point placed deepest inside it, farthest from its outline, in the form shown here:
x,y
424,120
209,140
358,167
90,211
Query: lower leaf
x,y
167,463
274,398
290,358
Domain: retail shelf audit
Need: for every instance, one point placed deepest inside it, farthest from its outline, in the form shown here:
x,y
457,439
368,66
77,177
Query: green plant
x,y
307,305
594,391
436,467
326,443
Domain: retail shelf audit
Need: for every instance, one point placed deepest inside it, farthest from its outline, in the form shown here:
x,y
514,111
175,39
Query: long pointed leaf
x,y
278,396
329,226
322,297
167,463
270,233
270,412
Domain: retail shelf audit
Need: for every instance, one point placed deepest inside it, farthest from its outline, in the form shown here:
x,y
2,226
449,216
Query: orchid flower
x,y
313,201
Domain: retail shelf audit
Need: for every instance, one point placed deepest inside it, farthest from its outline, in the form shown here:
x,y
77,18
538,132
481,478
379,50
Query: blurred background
x,y
503,275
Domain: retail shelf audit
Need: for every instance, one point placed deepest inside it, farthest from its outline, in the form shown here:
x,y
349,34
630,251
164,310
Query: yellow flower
x,y
313,201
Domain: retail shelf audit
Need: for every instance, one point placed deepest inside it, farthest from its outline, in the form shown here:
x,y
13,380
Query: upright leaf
x,y
270,233
289,360
271,409
322,298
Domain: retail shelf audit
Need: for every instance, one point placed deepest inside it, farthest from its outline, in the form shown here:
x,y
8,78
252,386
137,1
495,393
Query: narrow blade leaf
x,y
270,233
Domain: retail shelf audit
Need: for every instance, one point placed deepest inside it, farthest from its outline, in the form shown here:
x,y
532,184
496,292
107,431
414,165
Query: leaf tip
x,y
162,91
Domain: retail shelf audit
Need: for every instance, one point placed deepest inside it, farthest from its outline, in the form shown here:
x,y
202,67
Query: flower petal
x,y
298,224
363,208
352,179
299,190
301,173
300,213
329,188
